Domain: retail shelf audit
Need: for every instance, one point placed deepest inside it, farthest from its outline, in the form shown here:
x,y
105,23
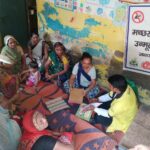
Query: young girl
x,y
34,76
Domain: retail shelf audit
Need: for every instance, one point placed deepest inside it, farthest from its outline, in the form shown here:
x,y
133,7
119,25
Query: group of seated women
x,y
52,64
49,62
56,66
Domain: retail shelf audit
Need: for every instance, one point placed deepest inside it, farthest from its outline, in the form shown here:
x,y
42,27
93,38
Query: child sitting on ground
x,y
34,74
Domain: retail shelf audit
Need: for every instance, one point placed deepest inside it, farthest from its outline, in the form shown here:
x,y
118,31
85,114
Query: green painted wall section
x,y
13,20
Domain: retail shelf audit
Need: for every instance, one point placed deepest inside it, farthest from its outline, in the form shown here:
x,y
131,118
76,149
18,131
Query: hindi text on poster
x,y
137,52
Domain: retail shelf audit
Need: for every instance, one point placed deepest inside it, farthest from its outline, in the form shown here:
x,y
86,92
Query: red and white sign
x,y
137,53
138,16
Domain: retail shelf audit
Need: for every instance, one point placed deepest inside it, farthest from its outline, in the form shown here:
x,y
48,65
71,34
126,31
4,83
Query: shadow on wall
x,y
74,56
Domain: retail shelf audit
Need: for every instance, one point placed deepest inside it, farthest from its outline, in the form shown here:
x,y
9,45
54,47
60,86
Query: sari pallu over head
x,y
12,54
82,72
30,134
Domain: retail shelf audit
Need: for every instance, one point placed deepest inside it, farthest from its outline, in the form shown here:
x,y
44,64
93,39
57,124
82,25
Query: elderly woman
x,y
36,136
83,76
57,64
15,53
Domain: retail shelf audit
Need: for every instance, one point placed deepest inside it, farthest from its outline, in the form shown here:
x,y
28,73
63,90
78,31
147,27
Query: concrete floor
x,y
139,131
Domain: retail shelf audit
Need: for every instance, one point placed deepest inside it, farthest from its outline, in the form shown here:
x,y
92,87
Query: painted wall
x,y
95,26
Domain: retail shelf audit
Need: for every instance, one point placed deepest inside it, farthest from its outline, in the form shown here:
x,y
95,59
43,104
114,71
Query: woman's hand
x,y
46,75
88,108
86,92
49,77
70,89
93,100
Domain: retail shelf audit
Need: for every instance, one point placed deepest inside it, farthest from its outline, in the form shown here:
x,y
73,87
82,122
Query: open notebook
x,y
86,115
56,104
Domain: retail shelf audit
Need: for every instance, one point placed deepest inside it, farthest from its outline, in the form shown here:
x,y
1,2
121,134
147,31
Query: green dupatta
x,y
57,65
15,56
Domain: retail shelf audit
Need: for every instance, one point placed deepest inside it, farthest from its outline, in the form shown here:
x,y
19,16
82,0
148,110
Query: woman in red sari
x,y
36,136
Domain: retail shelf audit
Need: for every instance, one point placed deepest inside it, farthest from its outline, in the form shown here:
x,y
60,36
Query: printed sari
x,y
30,134
16,58
56,66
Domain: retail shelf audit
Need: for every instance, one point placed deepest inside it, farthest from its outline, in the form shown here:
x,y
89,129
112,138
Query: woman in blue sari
x,y
83,76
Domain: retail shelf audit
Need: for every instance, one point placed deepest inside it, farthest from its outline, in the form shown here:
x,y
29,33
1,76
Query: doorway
x,y
32,16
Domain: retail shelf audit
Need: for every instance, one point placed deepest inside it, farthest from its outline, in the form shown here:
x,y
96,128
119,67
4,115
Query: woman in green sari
x,y
57,64
15,53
